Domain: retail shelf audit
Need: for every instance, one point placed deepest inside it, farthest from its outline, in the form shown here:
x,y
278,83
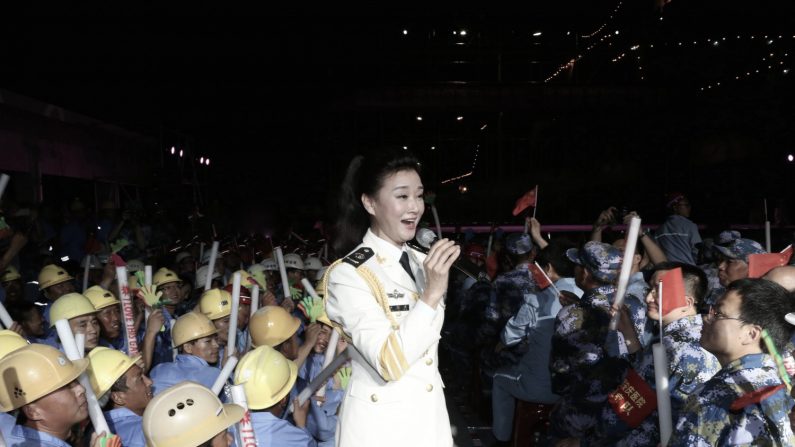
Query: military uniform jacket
x,y
709,419
395,397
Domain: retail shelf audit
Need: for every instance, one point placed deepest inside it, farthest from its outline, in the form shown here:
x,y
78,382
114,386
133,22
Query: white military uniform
x,y
398,399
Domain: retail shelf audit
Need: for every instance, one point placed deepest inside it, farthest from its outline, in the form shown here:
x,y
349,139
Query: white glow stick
x,y
80,341
72,353
626,269
254,307
331,349
218,386
488,247
174,351
246,437
767,229
4,178
232,337
127,311
283,272
436,221
663,394
201,251
147,283
535,207
85,272
211,267
5,317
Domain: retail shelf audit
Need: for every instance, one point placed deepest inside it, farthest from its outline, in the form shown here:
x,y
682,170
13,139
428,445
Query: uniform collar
x,y
190,359
385,250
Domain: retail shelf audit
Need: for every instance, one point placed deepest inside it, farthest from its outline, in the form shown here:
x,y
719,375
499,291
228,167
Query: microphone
x,y
423,241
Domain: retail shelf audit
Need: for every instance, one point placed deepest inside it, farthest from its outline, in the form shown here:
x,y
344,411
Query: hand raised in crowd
x,y
268,299
629,216
535,232
341,345
108,274
300,412
288,304
437,270
311,334
605,218
626,327
15,327
154,323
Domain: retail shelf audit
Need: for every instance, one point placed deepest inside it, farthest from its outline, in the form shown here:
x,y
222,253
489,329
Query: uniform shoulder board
x,y
359,256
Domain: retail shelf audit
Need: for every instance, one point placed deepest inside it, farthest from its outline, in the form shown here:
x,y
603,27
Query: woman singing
x,y
389,299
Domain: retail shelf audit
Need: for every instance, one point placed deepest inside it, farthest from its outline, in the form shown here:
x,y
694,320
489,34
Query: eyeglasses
x,y
715,314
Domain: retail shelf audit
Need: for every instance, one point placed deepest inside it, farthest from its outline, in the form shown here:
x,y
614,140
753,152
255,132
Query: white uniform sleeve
x,y
351,303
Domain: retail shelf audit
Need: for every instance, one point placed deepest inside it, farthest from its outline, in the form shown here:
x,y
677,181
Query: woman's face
x,y
397,207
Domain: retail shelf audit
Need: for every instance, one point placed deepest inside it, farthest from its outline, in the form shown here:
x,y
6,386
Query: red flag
x,y
539,276
117,260
673,291
633,400
527,200
759,265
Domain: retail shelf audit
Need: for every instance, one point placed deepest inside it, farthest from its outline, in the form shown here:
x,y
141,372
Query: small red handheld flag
x,y
673,291
527,200
759,265
539,276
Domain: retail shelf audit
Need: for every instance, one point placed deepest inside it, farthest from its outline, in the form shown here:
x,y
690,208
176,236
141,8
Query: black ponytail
x,y
365,175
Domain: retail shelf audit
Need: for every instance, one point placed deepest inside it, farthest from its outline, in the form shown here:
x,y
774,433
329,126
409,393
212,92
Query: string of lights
x,y
603,25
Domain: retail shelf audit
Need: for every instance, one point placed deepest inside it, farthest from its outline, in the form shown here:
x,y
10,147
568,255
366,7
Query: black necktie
x,y
404,261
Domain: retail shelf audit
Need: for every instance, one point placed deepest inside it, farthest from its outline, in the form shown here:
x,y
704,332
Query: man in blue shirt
x,y
533,325
678,236
267,378
47,394
116,377
196,339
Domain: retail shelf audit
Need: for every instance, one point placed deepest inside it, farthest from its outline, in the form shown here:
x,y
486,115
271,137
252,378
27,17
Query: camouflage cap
x,y
602,260
518,243
740,249
727,237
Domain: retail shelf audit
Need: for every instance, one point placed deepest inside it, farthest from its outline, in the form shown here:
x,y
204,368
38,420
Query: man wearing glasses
x,y
746,402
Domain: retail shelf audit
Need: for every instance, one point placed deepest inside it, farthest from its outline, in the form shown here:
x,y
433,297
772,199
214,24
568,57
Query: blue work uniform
x,y
274,432
184,367
22,436
127,425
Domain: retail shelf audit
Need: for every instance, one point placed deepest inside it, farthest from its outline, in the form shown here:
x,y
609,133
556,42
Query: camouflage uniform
x,y
511,290
581,370
689,366
707,419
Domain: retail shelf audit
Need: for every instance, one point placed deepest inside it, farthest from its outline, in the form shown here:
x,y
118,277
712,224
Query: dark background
x,y
281,98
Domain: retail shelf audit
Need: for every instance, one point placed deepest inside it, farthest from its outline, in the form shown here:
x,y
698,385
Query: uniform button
x,y
374,398
429,387
429,362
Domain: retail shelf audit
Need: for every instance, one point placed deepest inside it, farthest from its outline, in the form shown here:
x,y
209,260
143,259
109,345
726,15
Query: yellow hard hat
x,y
187,414
164,276
106,366
191,326
272,325
100,298
215,303
9,274
246,280
70,306
33,372
51,275
266,375
10,341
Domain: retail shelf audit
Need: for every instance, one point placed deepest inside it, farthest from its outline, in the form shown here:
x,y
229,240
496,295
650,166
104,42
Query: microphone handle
x,y
461,264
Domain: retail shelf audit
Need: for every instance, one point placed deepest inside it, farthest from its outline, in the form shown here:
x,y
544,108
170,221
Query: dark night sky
x,y
327,83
